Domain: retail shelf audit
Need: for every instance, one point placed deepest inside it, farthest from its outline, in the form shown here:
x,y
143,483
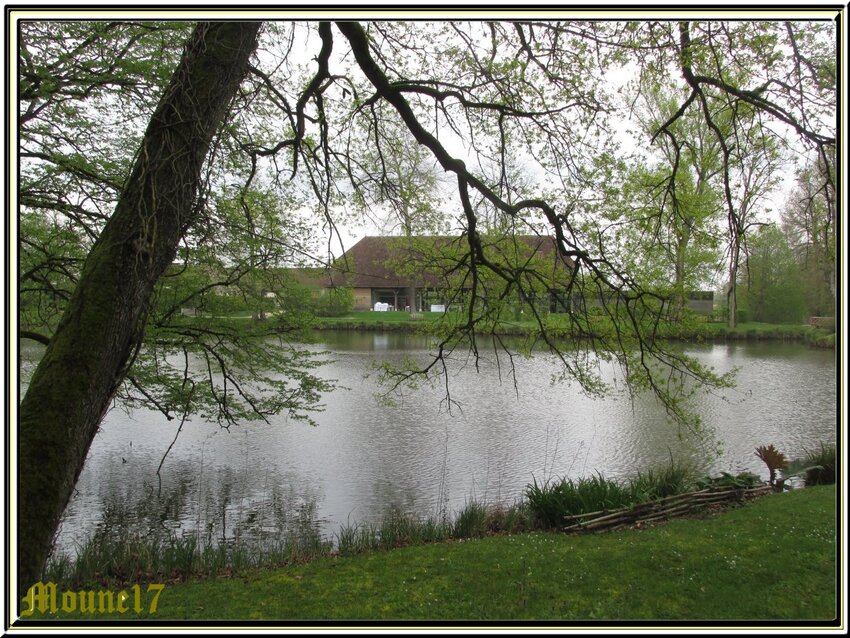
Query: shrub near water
x,y
552,501
818,467
823,472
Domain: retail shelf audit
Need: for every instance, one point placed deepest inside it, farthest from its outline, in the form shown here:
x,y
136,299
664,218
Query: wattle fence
x,y
661,509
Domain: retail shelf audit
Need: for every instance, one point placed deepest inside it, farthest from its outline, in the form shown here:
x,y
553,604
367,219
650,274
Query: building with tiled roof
x,y
394,270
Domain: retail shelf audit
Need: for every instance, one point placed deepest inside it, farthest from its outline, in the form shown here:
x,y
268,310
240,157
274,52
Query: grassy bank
x,y
707,331
771,559
754,331
698,331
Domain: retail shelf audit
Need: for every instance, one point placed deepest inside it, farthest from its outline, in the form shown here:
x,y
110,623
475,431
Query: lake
x,y
365,457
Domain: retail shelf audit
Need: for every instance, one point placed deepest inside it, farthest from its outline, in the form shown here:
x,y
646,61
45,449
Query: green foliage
x,y
676,478
770,287
664,216
472,521
239,370
183,370
743,480
400,179
50,259
334,302
87,89
808,222
554,500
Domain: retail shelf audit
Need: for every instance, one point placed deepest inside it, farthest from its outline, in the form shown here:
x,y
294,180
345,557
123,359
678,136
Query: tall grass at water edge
x,y
112,558
817,467
552,501
109,557
398,528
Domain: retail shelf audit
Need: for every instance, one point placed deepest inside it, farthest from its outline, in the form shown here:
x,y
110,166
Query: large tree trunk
x,y
88,356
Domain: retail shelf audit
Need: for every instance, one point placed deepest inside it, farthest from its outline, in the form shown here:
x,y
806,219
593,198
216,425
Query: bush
x,y
334,302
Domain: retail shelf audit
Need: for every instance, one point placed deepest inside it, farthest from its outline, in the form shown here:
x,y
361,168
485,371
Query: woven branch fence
x,y
661,509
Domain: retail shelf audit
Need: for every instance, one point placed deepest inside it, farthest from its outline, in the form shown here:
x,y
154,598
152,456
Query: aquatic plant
x,y
552,501
816,467
743,481
648,485
773,458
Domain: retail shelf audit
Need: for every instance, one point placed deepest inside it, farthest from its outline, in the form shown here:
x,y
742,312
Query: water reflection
x,y
261,480
212,503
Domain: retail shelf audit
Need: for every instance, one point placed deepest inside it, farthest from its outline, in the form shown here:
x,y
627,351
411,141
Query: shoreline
x,y
712,334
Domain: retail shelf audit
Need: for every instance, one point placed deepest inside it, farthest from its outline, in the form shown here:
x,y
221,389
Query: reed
x,y
816,466
110,557
107,558
552,501
471,521
676,478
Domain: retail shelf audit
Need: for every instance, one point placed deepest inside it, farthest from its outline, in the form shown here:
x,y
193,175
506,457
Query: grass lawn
x,y
773,559
403,321
373,317
750,330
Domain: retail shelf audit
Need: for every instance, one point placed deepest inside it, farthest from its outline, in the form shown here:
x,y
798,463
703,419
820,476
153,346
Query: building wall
x,y
362,298
701,306
701,302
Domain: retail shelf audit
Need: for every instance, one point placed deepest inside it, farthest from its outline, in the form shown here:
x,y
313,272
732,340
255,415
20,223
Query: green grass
x,y
367,320
755,331
370,320
397,321
372,317
772,559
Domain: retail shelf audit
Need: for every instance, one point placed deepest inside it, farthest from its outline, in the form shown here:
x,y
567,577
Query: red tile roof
x,y
395,262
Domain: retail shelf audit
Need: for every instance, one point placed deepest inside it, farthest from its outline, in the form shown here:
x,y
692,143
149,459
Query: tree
x,y
86,91
397,173
469,94
808,222
770,282
795,88
88,354
755,165
667,211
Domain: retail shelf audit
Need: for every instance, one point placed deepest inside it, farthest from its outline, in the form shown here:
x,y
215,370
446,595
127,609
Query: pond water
x,y
365,457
